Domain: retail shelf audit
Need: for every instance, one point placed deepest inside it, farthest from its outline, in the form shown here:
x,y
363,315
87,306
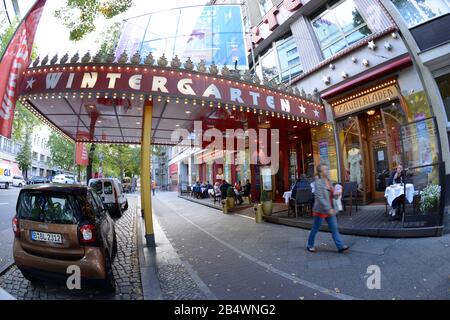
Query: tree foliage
x,y
24,123
118,160
63,152
79,15
109,38
23,157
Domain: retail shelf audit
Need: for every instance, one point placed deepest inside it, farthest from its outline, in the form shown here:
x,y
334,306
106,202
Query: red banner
x,y
13,63
81,154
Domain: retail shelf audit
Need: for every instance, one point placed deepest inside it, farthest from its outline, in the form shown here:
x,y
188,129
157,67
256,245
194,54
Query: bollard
x,y
258,213
224,206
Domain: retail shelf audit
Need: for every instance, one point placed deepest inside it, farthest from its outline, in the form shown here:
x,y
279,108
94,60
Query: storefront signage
x,y
365,101
276,16
167,82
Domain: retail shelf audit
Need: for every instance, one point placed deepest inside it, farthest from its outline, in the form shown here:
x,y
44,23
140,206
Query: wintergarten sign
x,y
159,81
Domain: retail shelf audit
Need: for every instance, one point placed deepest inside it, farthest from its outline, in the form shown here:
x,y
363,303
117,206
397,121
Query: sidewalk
x,y
239,259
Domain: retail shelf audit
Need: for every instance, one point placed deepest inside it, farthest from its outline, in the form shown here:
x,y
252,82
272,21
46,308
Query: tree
x,y
80,15
23,157
24,123
63,152
109,38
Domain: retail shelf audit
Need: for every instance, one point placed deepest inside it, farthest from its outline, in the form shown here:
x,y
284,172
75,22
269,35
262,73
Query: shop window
x,y
443,83
265,6
394,117
339,26
293,167
351,151
415,12
324,149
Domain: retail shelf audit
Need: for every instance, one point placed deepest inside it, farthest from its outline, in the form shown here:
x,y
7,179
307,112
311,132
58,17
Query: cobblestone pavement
x,y
239,259
177,284
125,266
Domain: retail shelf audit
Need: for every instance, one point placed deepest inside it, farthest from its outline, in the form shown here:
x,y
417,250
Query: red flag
x,y
13,63
81,154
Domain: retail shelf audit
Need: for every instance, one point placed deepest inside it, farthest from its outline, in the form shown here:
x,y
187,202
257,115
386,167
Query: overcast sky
x,y
52,37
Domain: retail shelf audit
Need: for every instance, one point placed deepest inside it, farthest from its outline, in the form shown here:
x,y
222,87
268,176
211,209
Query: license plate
x,y
46,237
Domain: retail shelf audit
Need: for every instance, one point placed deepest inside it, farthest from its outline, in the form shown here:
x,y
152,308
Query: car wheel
x,y
20,185
6,185
28,276
109,284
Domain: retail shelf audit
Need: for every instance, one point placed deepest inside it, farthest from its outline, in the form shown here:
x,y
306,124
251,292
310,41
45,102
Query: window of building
x,y
289,59
281,63
415,12
265,6
35,156
339,26
42,157
443,83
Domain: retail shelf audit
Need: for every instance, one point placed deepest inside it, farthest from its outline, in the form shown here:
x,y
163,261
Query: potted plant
x,y
230,198
429,199
266,202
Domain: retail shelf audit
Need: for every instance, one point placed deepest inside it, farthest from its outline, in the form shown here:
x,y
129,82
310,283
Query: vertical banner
x,y
13,64
81,154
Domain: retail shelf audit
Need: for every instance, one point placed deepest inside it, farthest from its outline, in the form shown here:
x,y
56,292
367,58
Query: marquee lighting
x,y
361,93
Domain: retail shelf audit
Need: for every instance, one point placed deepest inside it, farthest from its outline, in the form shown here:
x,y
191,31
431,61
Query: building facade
x,y
40,154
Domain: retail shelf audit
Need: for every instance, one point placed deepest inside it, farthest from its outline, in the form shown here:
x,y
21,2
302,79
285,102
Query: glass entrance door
x,y
379,167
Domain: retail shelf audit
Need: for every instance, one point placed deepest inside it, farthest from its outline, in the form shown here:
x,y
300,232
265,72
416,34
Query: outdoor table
x,y
287,196
396,190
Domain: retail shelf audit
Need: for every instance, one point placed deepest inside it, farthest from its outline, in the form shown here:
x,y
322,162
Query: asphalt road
x,y
8,199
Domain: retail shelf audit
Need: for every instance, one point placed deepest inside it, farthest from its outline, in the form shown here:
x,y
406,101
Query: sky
x,y
53,37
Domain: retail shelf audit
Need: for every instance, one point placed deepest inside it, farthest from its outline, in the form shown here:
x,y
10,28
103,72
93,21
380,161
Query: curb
x,y
147,266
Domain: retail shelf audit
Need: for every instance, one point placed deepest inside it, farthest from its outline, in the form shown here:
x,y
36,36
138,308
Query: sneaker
x,y
311,249
344,248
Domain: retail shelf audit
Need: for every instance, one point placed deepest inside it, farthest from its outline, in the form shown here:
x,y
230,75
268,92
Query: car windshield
x,y
47,207
96,185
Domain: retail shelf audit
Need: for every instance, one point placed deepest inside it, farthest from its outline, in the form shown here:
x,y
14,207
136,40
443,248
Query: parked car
x,y
57,226
6,178
37,179
18,181
64,178
111,193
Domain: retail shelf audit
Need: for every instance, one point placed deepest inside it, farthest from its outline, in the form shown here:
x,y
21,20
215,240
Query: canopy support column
x,y
146,200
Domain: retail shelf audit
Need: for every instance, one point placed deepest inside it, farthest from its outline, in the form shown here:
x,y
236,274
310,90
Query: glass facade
x,y
214,34
443,83
281,63
324,148
265,6
338,27
415,12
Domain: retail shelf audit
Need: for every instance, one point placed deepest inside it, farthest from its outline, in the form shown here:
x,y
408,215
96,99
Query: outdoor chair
x,y
302,199
350,194
217,196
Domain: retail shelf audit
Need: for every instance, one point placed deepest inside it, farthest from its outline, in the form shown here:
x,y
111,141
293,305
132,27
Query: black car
x,y
37,179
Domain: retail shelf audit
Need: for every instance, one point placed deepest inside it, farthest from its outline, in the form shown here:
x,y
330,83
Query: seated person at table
x,y
247,189
397,176
237,191
197,189
224,188
207,186
215,190
301,183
